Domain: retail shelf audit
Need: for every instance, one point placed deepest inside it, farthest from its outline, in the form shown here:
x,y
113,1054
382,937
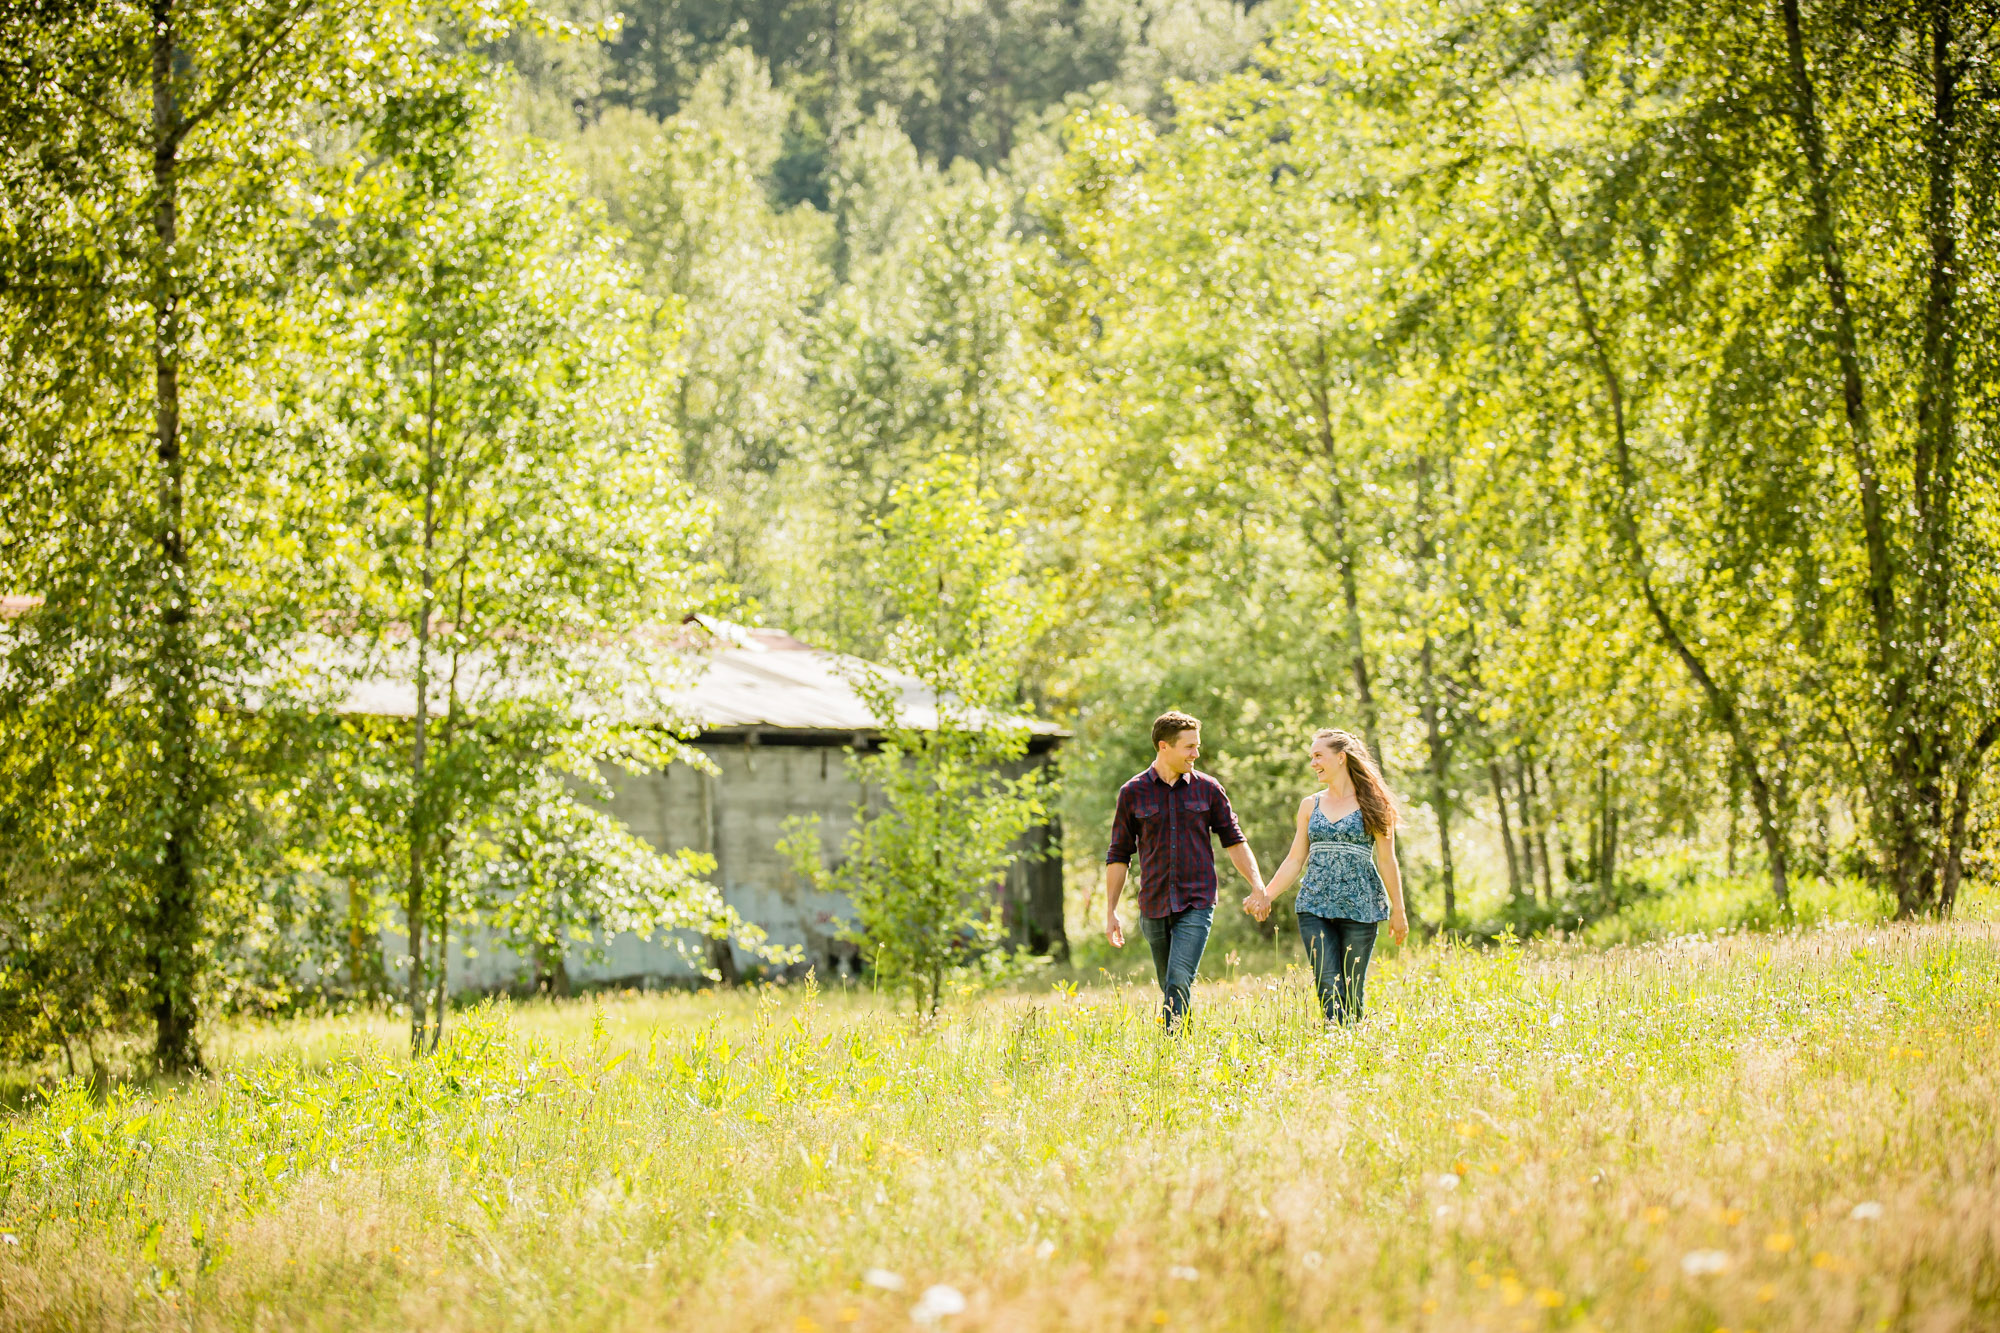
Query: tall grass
x,y
1785,1133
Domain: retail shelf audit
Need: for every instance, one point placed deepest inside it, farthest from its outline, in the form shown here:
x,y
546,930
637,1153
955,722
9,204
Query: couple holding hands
x,y
1343,859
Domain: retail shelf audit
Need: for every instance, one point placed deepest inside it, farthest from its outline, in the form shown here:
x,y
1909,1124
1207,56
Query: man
x,y
1166,815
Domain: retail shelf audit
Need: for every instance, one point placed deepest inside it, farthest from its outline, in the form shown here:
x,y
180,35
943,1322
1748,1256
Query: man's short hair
x,y
1169,725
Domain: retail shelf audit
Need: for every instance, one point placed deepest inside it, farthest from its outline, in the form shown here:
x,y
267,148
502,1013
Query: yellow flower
x,y
1548,1297
1778,1242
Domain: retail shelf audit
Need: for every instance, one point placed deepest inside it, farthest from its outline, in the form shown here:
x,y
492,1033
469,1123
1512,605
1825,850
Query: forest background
x,y
1590,405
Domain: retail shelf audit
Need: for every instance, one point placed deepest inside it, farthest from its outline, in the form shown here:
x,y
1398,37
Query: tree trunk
x,y
417,904
440,991
1357,652
1625,524
1439,754
1437,744
1910,814
1934,485
175,926
1344,555
1506,829
1534,822
1961,807
1735,804
1607,843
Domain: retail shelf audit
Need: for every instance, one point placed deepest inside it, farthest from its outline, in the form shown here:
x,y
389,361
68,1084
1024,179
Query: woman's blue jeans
x,y
1178,940
1339,950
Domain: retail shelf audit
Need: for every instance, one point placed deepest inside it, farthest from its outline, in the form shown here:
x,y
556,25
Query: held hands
x,y
1258,904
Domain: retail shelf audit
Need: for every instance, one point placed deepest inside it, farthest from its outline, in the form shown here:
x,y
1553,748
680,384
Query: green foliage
x,y
942,818
1588,404
165,490
324,382
1518,340
529,539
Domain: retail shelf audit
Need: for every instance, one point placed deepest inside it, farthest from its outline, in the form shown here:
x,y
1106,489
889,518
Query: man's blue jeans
x,y
1178,940
1339,950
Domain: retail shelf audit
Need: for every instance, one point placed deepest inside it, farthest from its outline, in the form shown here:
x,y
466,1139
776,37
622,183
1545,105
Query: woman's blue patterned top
x,y
1340,878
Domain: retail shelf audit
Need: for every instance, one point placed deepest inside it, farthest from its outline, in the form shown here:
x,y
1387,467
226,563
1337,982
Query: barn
x,y
777,718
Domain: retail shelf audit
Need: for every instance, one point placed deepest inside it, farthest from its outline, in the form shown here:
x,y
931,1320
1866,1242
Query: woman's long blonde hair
x,y
1378,808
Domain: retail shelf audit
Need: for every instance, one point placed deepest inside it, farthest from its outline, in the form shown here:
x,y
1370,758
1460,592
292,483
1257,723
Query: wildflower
x,y
1311,1259
1699,1263
1548,1297
883,1278
1045,1250
1866,1212
1446,1180
1183,1273
1778,1242
936,1303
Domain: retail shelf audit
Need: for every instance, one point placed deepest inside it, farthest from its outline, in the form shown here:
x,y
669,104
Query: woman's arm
x,y
1259,904
1392,880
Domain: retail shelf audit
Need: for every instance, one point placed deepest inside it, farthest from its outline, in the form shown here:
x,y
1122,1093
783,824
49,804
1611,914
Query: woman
x,y
1346,850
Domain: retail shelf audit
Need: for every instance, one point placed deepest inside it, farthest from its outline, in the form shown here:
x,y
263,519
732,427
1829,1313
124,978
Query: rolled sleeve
x,y
1124,837
1223,819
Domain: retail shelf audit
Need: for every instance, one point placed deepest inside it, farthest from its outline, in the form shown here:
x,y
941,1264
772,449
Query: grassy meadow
x,y
1744,1133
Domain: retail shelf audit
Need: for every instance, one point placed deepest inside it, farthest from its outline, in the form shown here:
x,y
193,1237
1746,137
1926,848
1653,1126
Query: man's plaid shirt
x,y
1168,826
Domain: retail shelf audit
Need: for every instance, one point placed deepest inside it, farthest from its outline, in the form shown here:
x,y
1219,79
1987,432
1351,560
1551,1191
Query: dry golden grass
x,y
1758,1133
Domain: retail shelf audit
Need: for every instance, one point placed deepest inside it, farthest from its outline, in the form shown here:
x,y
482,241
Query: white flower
x,y
1045,1250
1866,1212
1183,1273
1699,1263
1446,1181
1312,1259
936,1303
883,1278
10,1237
1556,1019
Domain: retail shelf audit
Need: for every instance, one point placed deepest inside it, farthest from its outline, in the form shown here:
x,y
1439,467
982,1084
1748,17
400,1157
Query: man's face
x,y
1178,755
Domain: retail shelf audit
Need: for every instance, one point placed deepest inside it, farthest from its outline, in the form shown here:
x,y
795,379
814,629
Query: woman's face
x,y
1325,760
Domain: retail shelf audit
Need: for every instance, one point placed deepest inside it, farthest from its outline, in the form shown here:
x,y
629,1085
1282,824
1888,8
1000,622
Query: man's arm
x,y
1245,862
1114,885
1117,864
